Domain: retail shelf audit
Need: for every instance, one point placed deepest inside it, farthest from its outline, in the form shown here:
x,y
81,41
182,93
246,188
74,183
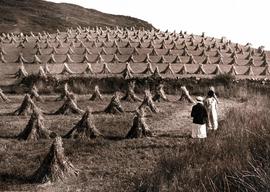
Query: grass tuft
x,y
235,158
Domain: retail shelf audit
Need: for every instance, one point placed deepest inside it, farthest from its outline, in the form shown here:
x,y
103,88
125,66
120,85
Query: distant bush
x,y
226,86
235,158
224,79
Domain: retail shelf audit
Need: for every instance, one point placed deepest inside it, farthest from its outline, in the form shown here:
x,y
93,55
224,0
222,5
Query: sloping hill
x,y
38,15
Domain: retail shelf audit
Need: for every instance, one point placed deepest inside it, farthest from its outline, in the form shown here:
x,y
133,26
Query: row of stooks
x,y
143,58
106,34
114,107
135,51
128,72
121,43
173,45
87,35
192,40
70,106
56,166
139,36
85,52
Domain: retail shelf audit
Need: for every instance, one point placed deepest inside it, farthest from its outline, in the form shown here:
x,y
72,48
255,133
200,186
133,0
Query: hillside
x,y
38,15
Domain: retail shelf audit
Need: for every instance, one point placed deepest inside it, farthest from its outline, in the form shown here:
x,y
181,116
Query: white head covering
x,y
199,98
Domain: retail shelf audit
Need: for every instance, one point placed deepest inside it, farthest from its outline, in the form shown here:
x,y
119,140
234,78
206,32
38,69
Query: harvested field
x,y
115,47
68,67
105,164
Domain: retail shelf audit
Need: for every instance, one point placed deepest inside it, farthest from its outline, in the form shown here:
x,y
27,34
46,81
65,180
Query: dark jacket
x,y
199,114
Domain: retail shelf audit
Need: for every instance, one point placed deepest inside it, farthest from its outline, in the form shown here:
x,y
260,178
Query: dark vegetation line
x,y
226,85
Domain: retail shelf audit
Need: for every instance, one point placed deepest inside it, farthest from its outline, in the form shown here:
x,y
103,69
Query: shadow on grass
x,y
16,179
102,112
167,135
114,138
8,137
7,114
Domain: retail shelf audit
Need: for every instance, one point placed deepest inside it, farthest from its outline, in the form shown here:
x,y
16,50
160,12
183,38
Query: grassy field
x,y
109,164
236,158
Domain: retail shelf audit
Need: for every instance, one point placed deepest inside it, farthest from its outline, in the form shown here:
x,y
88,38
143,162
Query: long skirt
x,y
212,121
199,131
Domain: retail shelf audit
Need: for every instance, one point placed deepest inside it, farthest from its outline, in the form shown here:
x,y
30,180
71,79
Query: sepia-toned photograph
x,y
134,96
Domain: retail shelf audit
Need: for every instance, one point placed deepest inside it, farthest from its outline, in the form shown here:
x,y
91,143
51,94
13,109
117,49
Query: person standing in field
x,y
210,104
213,89
199,115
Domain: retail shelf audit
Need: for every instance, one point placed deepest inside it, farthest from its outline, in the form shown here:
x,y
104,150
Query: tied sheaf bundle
x,y
55,167
130,93
85,128
34,94
185,96
148,102
35,129
69,107
96,95
3,97
139,127
160,94
27,107
114,106
21,73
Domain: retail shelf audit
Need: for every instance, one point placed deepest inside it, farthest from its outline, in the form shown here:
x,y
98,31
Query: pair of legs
x,y
212,122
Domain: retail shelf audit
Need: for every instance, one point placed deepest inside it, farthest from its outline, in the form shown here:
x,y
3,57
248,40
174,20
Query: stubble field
x,y
106,164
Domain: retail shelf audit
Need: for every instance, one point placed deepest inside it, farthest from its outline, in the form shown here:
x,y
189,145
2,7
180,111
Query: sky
x,y
241,21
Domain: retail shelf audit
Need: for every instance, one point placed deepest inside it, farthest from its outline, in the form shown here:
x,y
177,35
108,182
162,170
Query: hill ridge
x,y
38,15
